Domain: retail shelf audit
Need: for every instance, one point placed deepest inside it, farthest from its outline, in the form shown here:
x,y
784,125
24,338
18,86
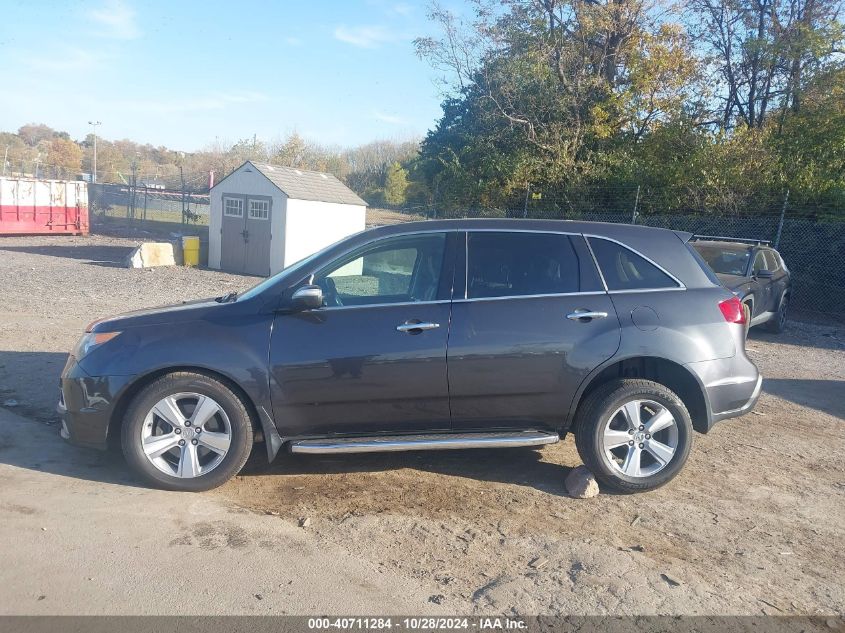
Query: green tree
x,y
396,185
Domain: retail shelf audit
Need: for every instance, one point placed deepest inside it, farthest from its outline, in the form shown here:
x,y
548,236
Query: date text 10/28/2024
x,y
421,623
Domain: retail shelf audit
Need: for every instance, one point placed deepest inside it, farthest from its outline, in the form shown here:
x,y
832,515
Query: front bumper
x,y
86,404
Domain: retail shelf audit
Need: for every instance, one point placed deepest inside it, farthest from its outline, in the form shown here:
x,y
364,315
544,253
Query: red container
x,y
43,207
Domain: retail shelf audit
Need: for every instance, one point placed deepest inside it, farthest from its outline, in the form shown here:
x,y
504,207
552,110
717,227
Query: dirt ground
x,y
754,524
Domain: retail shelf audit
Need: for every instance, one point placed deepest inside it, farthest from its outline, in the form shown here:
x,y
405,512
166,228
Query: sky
x,y
184,74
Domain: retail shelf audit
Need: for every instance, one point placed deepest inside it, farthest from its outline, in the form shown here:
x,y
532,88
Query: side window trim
x,y
680,286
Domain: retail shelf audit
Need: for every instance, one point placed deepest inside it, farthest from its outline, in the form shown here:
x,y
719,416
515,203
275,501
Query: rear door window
x,y
772,261
623,269
760,262
504,264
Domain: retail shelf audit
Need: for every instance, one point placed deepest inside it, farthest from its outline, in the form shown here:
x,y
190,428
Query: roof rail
x,y
722,238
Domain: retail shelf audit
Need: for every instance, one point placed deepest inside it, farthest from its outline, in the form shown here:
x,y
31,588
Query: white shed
x,y
264,218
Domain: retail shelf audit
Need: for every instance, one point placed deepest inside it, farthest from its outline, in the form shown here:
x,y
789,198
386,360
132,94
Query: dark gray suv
x,y
429,335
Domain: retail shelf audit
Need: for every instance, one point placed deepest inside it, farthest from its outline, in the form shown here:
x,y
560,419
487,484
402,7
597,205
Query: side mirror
x,y
764,274
307,297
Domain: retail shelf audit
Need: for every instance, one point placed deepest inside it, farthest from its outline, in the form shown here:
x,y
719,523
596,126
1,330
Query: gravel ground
x,y
754,524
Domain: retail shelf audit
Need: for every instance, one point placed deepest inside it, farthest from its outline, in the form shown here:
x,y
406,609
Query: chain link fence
x,y
811,237
142,210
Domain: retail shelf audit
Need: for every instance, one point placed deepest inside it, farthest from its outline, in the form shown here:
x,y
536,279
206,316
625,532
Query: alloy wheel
x,y
186,435
640,438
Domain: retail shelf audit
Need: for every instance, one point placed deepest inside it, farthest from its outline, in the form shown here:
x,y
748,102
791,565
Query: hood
x,y
180,312
732,282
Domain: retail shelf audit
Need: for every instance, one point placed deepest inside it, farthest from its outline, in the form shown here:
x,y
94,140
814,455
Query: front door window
x,y
397,270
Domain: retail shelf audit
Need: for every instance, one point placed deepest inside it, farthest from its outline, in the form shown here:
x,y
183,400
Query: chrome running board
x,y
429,442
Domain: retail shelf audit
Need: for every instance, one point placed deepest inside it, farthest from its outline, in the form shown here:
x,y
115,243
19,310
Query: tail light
x,y
732,310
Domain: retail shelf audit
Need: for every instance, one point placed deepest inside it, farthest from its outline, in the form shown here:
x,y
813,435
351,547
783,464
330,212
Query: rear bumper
x,y
86,404
746,407
731,386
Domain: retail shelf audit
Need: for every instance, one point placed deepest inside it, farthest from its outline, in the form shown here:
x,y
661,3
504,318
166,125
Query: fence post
x,y
780,223
636,204
527,193
182,179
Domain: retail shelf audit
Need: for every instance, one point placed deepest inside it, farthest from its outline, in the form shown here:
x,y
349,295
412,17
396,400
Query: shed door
x,y
232,241
257,236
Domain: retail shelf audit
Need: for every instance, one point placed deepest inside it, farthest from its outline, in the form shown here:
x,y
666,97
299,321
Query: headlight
x,y
90,340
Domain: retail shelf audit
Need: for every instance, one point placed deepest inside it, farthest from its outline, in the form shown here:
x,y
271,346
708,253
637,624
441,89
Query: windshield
x,y
725,260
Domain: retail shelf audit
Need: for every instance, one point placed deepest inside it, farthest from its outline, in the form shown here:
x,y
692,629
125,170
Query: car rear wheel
x,y
778,323
633,434
187,431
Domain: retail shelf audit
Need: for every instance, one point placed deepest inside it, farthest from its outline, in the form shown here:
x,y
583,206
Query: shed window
x,y
233,207
259,209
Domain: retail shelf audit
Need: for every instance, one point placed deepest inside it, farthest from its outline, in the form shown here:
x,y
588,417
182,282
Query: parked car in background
x,y
428,335
755,272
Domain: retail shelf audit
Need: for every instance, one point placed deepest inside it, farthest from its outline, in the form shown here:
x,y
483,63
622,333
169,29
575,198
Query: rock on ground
x,y
581,484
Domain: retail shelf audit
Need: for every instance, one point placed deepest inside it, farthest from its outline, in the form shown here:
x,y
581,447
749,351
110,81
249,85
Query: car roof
x,y
724,244
609,229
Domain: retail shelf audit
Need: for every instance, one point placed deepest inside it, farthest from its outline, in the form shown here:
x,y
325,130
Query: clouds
x,y
365,36
389,118
115,20
190,105
70,60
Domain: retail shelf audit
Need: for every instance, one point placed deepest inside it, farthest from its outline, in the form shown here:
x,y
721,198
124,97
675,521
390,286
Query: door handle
x,y
412,328
585,315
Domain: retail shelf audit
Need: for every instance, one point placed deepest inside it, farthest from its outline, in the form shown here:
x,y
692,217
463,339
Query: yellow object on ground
x,y
191,250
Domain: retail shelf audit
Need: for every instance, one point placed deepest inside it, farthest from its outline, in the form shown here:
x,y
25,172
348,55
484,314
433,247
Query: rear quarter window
x,y
711,275
623,269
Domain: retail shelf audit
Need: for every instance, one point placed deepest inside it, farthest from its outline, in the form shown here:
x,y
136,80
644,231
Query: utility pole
x,y
5,157
94,124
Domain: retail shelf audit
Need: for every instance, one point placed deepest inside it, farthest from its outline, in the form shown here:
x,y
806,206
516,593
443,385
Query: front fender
x,y
235,347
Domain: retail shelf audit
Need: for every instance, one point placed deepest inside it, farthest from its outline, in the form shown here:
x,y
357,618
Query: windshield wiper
x,y
227,297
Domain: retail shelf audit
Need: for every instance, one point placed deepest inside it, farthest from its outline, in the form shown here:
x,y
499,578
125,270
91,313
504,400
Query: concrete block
x,y
151,254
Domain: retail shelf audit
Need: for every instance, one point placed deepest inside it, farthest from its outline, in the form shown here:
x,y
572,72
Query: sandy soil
x,y
754,524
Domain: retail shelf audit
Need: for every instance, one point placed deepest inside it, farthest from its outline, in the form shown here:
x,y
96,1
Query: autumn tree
x,y
65,157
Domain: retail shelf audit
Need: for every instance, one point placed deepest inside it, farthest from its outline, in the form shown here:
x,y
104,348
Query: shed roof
x,y
308,185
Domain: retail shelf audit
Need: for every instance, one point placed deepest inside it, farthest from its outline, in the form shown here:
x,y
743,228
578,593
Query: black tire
x,y
187,382
597,409
778,323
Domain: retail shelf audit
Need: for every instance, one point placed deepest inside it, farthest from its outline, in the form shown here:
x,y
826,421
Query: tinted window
x,y
623,269
390,271
725,260
705,267
760,262
514,264
772,261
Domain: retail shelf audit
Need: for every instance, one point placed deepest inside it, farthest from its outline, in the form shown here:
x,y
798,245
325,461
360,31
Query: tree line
x,y
374,170
570,105
702,105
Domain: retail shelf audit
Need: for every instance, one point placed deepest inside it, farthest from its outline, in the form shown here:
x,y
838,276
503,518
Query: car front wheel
x,y
187,431
633,434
